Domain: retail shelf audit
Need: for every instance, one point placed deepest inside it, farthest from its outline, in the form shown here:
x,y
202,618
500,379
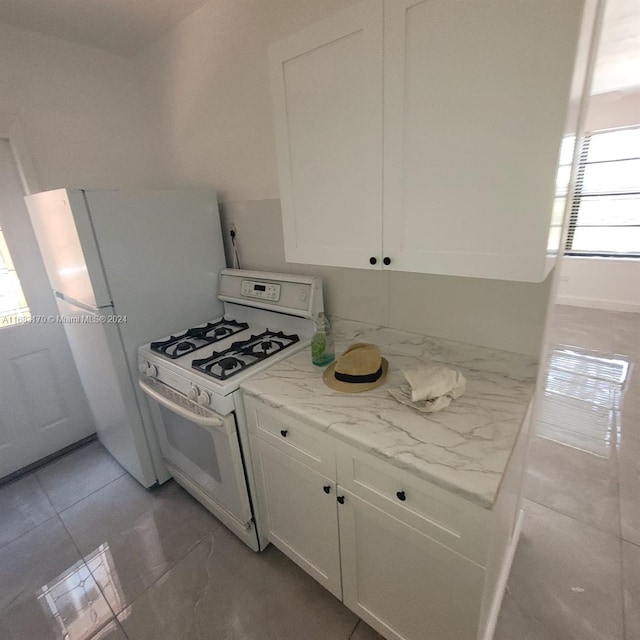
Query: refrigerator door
x,y
65,235
97,350
161,251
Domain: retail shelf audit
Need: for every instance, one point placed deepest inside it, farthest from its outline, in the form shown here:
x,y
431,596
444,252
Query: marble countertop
x,y
464,448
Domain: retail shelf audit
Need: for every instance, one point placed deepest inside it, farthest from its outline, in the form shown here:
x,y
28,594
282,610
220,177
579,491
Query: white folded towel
x,y
430,388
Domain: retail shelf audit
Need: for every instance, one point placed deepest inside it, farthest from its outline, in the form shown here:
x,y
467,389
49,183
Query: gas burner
x,y
229,363
198,337
266,346
244,354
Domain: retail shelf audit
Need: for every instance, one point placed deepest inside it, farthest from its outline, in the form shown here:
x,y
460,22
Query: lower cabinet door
x,y
404,584
297,509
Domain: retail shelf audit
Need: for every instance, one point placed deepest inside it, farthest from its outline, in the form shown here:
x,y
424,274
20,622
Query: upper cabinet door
x,y
475,100
327,100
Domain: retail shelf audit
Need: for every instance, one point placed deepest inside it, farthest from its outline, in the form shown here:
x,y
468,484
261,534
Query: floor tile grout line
x,y
354,629
169,568
581,522
57,515
22,535
82,558
173,566
95,635
46,495
90,494
622,602
525,612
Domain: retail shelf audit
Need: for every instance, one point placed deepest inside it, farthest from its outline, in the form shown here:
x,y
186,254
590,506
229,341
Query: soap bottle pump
x,y
322,347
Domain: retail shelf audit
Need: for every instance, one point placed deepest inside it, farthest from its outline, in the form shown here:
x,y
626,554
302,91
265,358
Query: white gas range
x,y
193,378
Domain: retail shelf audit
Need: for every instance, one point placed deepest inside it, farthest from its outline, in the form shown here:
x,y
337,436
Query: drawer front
x,y
301,442
451,520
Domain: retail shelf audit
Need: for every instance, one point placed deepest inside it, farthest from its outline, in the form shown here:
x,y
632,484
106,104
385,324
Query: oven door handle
x,y
205,421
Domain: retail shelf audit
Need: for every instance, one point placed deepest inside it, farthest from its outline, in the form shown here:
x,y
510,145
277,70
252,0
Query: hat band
x,y
369,377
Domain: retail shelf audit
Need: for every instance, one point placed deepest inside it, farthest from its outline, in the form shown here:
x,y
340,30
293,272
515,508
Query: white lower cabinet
x,y
297,508
414,561
404,584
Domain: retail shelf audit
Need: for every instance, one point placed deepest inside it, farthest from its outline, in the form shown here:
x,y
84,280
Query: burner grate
x,y
244,354
196,338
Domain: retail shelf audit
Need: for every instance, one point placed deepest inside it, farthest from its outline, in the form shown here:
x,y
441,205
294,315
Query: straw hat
x,y
359,368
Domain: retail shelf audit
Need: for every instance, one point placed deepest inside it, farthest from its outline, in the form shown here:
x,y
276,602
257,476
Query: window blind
x,y
605,212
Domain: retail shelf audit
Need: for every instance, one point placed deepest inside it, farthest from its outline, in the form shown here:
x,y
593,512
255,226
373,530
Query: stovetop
x,y
243,354
220,354
193,339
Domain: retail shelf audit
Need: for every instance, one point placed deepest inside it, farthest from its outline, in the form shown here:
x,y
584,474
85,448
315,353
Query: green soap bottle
x,y
322,348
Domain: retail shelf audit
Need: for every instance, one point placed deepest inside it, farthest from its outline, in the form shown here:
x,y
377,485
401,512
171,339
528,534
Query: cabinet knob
x,y
401,496
283,433
373,260
386,261
341,499
327,488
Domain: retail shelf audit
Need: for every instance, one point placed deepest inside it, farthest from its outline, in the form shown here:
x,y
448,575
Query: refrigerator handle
x,y
81,305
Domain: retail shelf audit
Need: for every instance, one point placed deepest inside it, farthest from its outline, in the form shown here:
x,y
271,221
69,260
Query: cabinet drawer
x,y
451,520
301,442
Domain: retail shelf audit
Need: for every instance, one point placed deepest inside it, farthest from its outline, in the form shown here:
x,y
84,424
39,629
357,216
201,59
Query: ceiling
x,y
126,27
618,62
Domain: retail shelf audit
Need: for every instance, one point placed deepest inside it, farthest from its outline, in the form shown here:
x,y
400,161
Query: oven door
x,y
202,451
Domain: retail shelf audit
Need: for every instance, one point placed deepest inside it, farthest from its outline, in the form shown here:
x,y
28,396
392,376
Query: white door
x,y
42,405
297,509
327,99
403,583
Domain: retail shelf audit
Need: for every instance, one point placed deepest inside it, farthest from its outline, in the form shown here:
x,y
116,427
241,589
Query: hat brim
x,y
352,387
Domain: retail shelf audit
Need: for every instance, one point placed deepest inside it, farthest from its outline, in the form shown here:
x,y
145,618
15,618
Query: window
x,y
13,306
605,215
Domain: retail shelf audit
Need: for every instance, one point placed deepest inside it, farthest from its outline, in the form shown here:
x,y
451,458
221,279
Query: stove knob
x,y
204,399
142,366
193,393
151,371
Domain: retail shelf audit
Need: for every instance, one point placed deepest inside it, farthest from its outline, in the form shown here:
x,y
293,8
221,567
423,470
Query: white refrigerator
x,y
127,267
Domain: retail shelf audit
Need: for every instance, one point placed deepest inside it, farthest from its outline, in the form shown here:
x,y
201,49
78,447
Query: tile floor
x,y
576,573
85,552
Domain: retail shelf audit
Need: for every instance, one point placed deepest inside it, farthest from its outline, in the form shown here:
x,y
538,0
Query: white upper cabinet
x,y
327,95
475,100
475,96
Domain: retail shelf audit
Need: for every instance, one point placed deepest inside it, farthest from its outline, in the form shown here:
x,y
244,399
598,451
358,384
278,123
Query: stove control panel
x,y
260,290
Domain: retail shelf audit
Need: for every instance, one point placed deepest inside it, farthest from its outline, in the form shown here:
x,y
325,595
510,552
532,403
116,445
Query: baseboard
x,y
501,586
596,303
47,459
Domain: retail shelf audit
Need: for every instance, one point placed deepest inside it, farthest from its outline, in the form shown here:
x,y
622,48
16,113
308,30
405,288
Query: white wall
x,y
207,87
604,283
80,111
600,283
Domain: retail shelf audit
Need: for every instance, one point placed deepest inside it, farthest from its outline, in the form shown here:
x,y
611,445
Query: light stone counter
x,y
464,448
